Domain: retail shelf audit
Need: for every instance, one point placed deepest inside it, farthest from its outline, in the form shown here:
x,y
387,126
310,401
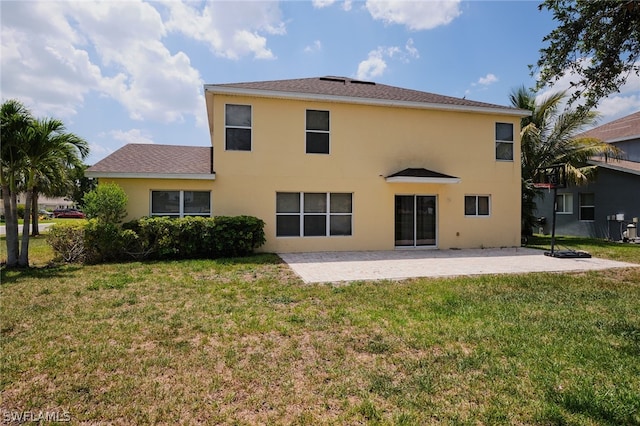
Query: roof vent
x,y
336,79
370,83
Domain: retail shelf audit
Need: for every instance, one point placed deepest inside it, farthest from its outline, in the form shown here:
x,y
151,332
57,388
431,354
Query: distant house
x,y
605,207
333,163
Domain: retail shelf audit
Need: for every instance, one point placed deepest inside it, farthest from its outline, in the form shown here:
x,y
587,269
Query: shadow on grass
x,y
14,275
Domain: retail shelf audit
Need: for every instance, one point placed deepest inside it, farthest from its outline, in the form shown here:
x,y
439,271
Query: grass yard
x,y
244,341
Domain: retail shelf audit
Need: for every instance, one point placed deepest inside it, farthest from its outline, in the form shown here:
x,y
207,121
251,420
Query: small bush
x,y
107,203
67,241
103,241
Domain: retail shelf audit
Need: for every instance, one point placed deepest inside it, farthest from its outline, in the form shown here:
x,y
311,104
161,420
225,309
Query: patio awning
x,y
420,176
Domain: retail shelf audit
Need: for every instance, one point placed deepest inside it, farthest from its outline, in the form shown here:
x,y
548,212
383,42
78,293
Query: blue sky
x,y
122,72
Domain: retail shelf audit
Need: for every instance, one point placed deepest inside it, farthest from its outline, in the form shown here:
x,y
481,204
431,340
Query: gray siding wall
x,y
615,192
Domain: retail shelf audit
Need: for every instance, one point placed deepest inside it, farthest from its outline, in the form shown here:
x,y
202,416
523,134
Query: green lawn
x,y
244,341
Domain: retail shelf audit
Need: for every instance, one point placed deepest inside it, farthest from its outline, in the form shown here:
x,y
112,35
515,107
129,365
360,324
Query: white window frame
x,y
250,128
567,203
589,206
301,214
511,142
181,213
307,131
477,197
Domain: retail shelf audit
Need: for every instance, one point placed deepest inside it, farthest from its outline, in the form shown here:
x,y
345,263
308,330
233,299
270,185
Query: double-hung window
x,y
504,141
564,203
180,203
476,205
587,207
317,132
313,214
237,127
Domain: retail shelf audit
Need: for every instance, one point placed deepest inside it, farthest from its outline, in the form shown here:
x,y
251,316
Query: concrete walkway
x,y
401,264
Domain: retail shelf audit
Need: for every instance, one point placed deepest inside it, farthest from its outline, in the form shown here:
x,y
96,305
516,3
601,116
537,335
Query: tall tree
x,y
47,146
15,119
550,136
597,41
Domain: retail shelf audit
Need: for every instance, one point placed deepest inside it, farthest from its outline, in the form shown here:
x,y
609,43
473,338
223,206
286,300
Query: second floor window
x,y
504,141
237,127
317,132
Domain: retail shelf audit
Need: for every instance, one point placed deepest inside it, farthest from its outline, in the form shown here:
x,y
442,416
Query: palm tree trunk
x,y
23,259
11,225
34,215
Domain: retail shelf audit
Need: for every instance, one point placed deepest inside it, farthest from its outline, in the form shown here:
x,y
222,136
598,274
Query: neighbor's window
x,y
237,125
587,207
317,132
564,203
313,214
476,205
504,141
180,203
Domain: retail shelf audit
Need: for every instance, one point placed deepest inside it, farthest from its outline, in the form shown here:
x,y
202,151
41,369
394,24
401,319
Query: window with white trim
x,y
180,203
237,127
317,132
564,203
314,214
587,207
504,141
476,205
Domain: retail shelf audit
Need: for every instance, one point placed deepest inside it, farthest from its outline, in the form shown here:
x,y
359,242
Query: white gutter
x,y
363,101
121,175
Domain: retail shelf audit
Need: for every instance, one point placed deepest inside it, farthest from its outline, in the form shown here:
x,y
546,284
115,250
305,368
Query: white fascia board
x,y
415,179
363,101
116,175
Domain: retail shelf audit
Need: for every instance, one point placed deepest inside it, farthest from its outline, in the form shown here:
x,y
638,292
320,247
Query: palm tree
x,y
550,136
15,119
47,149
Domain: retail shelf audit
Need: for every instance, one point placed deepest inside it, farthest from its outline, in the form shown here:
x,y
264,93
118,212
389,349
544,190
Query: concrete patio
x,y
400,264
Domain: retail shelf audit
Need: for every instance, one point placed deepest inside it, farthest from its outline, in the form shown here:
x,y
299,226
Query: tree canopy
x,y
596,41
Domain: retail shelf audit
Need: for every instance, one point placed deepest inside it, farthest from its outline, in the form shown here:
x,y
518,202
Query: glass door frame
x,y
415,222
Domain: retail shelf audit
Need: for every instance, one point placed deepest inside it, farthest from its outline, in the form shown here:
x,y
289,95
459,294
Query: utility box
x,y
632,231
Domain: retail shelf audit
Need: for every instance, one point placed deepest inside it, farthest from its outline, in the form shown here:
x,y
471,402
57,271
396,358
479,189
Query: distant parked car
x,y
68,214
45,213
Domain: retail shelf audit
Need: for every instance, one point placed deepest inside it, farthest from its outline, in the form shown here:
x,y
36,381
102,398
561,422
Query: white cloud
x,y
132,136
376,62
416,15
316,46
230,29
487,80
319,4
54,54
614,106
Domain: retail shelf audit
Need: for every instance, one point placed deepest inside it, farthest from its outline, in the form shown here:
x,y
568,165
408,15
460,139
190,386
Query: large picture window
x,y
317,133
237,127
180,203
313,214
504,141
587,207
476,205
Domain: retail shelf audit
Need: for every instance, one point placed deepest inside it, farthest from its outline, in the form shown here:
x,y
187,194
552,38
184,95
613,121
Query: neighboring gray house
x,y
605,207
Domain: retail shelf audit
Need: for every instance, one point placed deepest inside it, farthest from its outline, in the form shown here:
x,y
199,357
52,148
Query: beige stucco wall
x,y
368,143
139,191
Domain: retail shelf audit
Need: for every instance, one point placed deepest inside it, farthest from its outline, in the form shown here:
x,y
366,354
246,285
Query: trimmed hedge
x,y
163,238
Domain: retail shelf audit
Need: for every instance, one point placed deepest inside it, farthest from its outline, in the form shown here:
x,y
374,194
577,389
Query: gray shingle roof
x,y
627,127
156,159
345,87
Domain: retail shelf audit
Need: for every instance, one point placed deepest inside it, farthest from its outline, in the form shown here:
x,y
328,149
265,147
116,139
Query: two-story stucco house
x,y
333,163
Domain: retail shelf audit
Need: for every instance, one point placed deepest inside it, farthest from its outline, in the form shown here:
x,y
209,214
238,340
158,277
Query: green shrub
x,y
158,238
67,241
107,203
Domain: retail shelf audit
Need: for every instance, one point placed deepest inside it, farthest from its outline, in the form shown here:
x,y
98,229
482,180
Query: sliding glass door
x,y
415,220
